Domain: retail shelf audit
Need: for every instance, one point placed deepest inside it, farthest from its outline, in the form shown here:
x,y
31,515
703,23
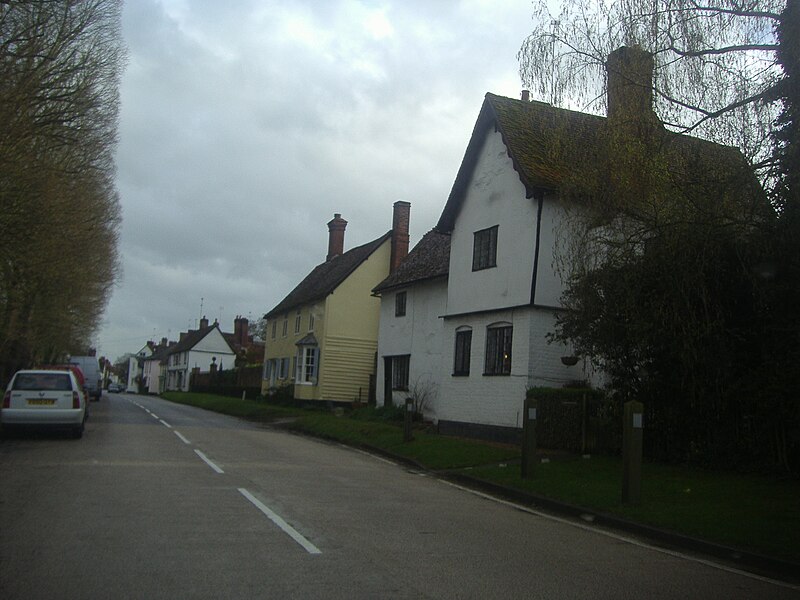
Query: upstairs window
x,y
400,304
498,349
274,329
311,321
463,351
484,250
285,329
297,322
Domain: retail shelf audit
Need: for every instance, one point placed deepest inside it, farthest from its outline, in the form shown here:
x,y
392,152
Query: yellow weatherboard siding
x,y
351,338
346,329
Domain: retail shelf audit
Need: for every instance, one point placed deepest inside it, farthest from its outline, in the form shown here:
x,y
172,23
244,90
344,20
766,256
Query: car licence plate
x,y
41,401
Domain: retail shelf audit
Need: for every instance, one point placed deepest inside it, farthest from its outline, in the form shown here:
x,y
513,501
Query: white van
x,y
90,367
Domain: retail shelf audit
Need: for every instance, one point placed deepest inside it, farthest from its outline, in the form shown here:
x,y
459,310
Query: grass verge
x,y
757,513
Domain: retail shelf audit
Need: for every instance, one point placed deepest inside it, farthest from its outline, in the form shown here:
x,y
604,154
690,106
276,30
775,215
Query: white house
x,y
197,349
154,368
135,365
413,300
494,304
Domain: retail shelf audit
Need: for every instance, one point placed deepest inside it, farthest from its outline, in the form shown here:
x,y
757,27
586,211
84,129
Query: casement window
x,y
484,249
285,326
307,365
400,304
498,349
274,329
400,366
311,321
463,351
297,322
283,368
267,370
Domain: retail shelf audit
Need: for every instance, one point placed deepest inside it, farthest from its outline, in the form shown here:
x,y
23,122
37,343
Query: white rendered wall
x,y
495,196
418,333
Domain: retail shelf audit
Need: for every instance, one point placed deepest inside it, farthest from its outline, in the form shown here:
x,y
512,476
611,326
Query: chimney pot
x,y
526,96
400,219
336,228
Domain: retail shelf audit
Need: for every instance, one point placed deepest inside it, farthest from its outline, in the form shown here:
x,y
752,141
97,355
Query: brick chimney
x,y
336,229
629,71
203,322
400,218
240,331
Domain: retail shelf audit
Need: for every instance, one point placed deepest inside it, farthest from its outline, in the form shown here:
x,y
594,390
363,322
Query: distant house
x,y
322,337
197,349
154,368
469,312
413,300
135,367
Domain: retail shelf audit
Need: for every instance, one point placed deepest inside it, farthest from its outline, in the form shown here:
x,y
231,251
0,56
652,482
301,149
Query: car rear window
x,y
42,381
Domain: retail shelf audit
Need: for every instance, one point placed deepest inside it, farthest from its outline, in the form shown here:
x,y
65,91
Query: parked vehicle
x,y
91,373
115,387
45,398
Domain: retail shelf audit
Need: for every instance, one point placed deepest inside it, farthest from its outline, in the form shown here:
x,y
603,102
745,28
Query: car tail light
x,y
7,400
76,400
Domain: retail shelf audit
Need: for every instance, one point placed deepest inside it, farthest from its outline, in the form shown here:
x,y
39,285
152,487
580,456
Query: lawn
x,y
756,513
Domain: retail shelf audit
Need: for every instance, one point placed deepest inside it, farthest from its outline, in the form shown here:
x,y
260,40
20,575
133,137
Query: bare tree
x,y
716,68
60,63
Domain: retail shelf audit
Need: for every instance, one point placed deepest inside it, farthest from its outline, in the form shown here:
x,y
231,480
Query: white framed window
x,y
283,368
285,329
307,365
297,322
311,321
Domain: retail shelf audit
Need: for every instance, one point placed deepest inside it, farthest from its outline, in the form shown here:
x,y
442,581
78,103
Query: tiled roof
x,y
429,259
192,338
549,146
326,277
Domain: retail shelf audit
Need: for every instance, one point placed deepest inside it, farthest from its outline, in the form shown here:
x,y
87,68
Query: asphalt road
x,y
165,501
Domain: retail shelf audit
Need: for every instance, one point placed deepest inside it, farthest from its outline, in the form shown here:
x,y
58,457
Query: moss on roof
x,y
429,259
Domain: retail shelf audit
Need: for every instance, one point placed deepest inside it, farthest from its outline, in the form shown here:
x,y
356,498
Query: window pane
x,y
498,351
400,372
463,347
484,251
400,304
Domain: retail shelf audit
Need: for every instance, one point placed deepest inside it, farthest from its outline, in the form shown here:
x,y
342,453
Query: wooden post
x,y
529,438
632,453
409,413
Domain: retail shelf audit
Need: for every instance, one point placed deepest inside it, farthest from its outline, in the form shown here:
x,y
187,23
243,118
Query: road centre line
x,y
183,439
275,518
625,539
207,461
165,424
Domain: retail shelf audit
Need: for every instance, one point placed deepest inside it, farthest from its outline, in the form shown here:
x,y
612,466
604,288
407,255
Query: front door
x,y
387,381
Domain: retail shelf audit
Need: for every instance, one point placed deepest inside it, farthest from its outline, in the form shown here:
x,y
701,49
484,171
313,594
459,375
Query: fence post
x,y
529,437
409,413
632,453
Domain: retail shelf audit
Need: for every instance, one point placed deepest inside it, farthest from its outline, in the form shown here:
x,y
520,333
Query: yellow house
x,y
322,338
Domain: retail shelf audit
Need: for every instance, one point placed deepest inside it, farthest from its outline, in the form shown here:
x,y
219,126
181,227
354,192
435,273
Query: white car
x,y
45,398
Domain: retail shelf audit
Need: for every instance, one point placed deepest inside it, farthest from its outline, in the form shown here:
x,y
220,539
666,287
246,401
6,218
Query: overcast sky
x,y
246,125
